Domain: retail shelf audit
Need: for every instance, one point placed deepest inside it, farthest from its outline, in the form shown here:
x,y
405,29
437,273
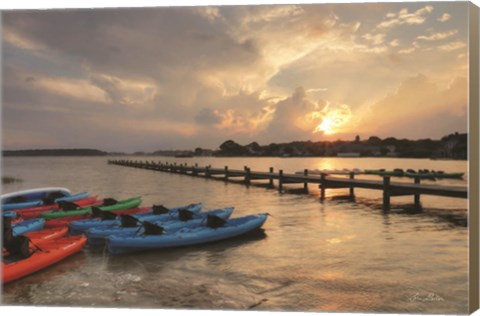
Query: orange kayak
x,y
49,253
40,236
48,234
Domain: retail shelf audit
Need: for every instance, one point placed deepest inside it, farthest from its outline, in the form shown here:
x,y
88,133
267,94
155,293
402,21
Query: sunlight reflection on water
x,y
337,255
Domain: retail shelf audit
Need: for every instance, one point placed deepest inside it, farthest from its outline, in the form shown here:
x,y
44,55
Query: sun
x,y
327,127
333,119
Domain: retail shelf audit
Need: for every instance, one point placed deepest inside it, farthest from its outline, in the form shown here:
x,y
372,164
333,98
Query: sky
x,y
146,79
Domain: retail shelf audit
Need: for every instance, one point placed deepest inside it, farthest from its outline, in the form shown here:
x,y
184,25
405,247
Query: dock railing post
x,y
194,170
247,175
417,196
270,182
386,193
305,183
226,173
322,186
352,191
207,172
280,180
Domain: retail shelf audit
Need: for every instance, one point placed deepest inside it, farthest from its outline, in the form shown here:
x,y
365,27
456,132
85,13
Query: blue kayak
x,y
32,194
17,206
81,226
29,225
185,236
9,214
37,197
97,235
73,198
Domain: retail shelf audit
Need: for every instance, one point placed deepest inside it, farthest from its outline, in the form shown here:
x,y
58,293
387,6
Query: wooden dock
x,y
325,181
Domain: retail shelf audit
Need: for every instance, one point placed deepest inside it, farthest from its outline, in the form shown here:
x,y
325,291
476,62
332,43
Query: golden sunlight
x,y
333,119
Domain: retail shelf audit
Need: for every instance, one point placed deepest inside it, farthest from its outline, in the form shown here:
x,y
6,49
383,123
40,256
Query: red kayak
x,y
64,221
34,212
48,254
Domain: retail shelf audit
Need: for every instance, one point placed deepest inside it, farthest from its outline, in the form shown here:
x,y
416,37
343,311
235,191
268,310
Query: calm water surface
x,y
337,255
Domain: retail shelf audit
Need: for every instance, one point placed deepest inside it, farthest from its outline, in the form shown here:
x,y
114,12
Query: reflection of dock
x,y
324,181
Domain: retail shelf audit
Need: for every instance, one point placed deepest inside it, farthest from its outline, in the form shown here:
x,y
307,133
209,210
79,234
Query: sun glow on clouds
x,y
333,118
231,70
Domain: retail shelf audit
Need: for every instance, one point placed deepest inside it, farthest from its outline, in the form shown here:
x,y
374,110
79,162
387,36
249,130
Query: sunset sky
x,y
185,77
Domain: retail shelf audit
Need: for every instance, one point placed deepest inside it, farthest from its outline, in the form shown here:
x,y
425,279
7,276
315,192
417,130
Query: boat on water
x,y
81,226
32,197
344,171
25,226
156,237
33,212
132,226
112,206
23,258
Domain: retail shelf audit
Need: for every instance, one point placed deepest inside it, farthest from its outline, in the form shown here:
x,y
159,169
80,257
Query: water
x,y
337,255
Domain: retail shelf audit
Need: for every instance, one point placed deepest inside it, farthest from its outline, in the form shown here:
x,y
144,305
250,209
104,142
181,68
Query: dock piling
x,y
386,193
325,181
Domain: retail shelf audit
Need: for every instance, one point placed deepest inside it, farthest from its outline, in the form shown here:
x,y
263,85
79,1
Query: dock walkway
x,y
325,181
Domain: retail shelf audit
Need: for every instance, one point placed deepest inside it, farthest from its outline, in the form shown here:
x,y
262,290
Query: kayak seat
x,y
159,209
215,221
18,247
18,199
185,215
51,197
96,212
128,221
153,229
67,206
109,202
107,216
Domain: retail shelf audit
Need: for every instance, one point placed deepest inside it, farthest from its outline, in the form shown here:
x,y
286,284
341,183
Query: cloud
x,y
407,50
394,43
422,106
376,39
291,120
444,17
452,46
404,17
437,36
193,76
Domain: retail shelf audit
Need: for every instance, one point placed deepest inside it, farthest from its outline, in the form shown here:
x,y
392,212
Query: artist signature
x,y
430,297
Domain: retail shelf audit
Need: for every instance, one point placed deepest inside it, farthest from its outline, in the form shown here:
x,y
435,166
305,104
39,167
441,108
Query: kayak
x,y
33,212
119,206
32,194
433,175
65,221
185,236
98,235
37,238
73,198
9,214
344,171
31,197
81,226
52,203
47,234
48,254
381,172
27,226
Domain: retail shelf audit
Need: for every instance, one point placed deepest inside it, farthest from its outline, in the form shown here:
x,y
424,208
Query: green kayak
x,y
381,172
435,175
118,206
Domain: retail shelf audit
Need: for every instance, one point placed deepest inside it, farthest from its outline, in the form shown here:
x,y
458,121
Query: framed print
x,y
300,157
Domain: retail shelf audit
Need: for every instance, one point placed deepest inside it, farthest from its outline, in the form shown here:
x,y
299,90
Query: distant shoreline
x,y
450,147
